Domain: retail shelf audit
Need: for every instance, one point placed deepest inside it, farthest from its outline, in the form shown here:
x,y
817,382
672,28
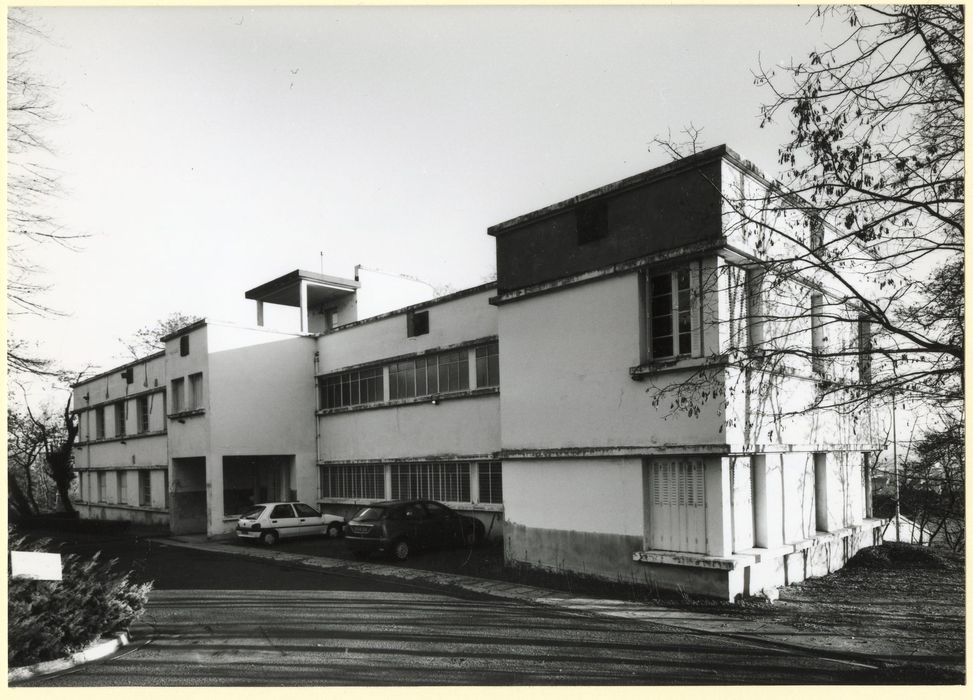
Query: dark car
x,y
399,527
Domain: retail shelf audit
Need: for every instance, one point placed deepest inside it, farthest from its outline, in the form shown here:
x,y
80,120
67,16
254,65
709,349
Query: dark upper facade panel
x,y
669,207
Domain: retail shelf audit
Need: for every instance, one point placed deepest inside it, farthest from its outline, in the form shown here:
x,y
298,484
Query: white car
x,y
270,522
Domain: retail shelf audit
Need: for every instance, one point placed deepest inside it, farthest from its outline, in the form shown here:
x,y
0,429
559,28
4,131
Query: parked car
x,y
270,522
399,527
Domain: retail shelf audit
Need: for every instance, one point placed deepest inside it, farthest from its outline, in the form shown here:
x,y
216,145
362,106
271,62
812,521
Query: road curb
x,y
96,651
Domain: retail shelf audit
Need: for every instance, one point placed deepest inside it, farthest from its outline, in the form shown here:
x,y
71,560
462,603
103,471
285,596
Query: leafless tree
x,y
864,225
147,340
32,185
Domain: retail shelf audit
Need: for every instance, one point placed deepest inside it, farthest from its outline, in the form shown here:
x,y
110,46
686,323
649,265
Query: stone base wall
x,y
618,558
142,516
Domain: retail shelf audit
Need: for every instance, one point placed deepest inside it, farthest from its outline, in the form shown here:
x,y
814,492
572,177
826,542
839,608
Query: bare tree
x,y
147,339
56,435
32,185
859,242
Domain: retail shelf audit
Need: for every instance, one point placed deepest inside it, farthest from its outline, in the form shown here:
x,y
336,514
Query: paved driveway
x,y
223,620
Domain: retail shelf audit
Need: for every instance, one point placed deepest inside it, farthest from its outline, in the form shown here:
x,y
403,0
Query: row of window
x,y
452,482
119,413
178,393
672,302
426,375
94,487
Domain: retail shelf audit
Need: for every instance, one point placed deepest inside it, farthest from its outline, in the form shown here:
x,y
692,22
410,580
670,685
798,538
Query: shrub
x,y
49,619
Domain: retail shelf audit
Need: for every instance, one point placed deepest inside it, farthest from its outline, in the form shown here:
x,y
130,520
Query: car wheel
x,y
400,550
269,538
334,530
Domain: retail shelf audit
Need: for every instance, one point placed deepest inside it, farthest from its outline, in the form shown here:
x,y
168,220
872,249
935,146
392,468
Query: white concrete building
x,y
533,403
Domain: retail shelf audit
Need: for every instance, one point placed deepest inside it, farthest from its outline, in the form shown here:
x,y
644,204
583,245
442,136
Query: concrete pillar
x,y
304,320
719,529
260,313
768,500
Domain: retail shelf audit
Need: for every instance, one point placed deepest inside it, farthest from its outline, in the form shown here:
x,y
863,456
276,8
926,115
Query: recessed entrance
x,y
256,479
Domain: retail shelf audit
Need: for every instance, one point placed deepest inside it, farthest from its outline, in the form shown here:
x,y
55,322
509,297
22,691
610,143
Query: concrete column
x,y
260,313
719,530
768,500
304,306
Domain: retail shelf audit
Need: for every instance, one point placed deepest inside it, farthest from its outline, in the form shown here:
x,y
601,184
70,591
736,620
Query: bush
x,y
49,619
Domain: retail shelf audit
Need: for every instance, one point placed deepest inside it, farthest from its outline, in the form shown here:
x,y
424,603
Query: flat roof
x,y
119,368
661,172
286,289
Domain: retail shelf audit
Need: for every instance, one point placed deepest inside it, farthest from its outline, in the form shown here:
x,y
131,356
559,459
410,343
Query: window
x,y
330,319
817,333
145,488
353,481
102,487
417,323
196,390
454,371
120,419
184,345
178,395
282,510
100,423
129,375
669,314
488,365
305,511
676,506
142,406
352,388
864,351
414,377
491,482
122,487
436,481
736,287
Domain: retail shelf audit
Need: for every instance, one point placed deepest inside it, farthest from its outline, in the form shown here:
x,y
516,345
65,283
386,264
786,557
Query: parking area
x,y
484,561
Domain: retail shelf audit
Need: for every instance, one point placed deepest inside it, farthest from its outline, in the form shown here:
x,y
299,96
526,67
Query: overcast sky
x,y
205,151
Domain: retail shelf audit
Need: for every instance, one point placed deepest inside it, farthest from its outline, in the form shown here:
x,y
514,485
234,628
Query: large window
x,y
122,486
491,483
142,406
864,351
196,390
99,422
454,370
178,395
817,334
488,365
102,487
353,481
145,488
438,481
120,419
676,507
669,311
352,388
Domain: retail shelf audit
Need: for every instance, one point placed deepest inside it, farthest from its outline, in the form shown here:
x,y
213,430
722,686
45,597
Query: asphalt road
x,y
224,620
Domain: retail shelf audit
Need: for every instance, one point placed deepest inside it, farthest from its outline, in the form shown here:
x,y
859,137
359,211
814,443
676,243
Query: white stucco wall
x,y
564,374
190,438
601,496
469,426
260,400
451,322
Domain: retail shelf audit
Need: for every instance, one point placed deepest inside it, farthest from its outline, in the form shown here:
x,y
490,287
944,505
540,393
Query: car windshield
x,y
253,512
370,513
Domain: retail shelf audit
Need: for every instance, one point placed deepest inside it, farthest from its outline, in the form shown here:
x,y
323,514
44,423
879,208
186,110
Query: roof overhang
x,y
286,289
